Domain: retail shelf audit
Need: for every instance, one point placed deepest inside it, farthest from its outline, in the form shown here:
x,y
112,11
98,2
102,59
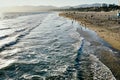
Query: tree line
x,y
104,7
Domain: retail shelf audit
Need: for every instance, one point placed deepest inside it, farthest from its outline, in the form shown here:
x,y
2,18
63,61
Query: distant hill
x,y
27,8
45,8
92,7
66,7
89,5
84,5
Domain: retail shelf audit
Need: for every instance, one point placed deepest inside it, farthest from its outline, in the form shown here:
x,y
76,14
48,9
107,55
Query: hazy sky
x,y
6,3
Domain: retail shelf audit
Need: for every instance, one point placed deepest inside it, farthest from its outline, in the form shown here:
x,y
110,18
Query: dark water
x,y
40,46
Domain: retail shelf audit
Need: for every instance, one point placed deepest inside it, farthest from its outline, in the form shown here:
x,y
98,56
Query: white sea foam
x,y
8,41
100,70
4,63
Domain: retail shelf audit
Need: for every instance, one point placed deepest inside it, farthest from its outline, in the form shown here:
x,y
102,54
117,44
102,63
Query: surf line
x,y
79,54
77,60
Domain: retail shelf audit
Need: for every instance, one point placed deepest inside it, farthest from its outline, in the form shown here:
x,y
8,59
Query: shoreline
x,y
111,60
100,26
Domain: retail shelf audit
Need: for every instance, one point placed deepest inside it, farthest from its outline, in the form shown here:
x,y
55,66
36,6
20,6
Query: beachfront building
x,y
118,14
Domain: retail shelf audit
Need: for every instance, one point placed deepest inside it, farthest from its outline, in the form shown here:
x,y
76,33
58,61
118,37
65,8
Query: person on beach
x,y
72,22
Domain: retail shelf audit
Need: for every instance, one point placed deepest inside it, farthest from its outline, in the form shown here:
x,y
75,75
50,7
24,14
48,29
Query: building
x,y
118,12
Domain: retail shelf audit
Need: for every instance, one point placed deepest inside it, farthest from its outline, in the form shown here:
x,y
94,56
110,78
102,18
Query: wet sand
x,y
105,24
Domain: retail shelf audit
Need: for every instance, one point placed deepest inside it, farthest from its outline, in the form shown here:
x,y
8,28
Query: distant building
x,y
118,14
119,2
104,5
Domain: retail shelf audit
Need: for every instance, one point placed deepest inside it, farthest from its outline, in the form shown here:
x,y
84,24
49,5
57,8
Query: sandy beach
x,y
105,24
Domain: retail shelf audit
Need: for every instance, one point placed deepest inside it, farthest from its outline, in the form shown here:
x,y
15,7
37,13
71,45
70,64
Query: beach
x,y
107,27
105,24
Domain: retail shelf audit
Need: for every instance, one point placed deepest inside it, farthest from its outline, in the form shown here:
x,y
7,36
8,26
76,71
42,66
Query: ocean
x,y
45,46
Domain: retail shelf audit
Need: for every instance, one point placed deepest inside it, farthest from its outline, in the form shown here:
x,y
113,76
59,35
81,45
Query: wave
x,y
12,39
4,63
99,70
15,29
2,37
4,28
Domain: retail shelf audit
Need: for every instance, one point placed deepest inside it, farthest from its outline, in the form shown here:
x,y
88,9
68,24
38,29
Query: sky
x,y
58,3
